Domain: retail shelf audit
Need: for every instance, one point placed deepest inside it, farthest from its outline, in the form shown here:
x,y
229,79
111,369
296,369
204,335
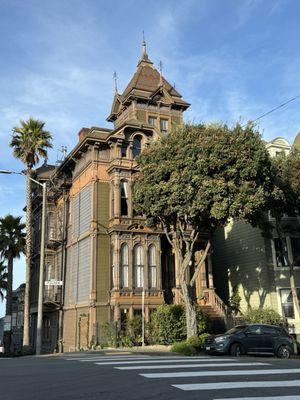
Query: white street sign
x,y
53,282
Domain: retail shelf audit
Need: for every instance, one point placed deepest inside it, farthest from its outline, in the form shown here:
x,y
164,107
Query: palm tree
x,y
3,280
12,245
30,141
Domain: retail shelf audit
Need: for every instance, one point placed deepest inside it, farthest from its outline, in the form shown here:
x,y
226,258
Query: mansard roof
x,y
144,84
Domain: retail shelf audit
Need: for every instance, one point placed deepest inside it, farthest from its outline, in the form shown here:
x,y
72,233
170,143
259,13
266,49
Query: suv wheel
x,y
284,352
236,350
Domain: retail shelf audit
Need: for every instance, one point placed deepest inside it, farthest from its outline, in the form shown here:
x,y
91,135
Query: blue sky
x,y
230,59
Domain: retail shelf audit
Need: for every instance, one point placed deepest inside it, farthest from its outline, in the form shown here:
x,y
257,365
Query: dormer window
x,y
164,125
137,146
152,121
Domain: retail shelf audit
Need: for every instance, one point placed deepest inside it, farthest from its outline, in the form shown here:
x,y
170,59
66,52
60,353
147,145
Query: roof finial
x,y
115,77
144,47
160,65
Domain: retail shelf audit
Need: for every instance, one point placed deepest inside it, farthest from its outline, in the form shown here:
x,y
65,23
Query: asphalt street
x,y
115,376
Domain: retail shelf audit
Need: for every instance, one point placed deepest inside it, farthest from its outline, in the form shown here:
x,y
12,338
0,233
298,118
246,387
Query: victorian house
x,y
102,252
254,266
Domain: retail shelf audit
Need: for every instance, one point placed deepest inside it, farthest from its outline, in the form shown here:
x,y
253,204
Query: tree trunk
x,y
190,311
26,339
9,286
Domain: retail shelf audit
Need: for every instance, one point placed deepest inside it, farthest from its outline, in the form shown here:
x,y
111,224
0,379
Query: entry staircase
x,y
219,313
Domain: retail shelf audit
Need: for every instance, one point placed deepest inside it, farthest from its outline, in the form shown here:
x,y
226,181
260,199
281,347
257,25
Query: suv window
x,y
270,330
254,330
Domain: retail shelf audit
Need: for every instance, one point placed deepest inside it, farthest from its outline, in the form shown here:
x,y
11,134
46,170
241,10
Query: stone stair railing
x,y
217,303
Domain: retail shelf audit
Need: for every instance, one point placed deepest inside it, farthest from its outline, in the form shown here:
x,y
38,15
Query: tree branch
x,y
200,263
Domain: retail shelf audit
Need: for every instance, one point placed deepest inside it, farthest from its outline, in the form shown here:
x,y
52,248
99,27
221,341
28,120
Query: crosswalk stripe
x,y
106,358
116,359
222,373
263,398
237,385
211,365
171,360
96,358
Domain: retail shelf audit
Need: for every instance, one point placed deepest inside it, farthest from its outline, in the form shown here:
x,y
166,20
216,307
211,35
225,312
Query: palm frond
x,y
30,141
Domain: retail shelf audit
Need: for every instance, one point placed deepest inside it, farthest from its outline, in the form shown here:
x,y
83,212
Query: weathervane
x,y
160,65
115,77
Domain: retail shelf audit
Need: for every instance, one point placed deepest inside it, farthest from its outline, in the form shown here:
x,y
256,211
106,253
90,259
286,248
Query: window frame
x,y
124,266
152,266
124,202
138,268
136,150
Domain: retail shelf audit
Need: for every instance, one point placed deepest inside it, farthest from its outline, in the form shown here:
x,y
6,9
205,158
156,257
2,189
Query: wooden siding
x,y
103,269
69,330
103,203
241,257
83,282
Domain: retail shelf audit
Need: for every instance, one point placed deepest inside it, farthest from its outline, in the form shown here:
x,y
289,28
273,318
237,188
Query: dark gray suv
x,y
252,339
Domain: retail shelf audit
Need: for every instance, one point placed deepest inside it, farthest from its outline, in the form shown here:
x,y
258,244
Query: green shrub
x,y
125,340
263,316
202,339
195,342
202,321
168,324
134,329
184,348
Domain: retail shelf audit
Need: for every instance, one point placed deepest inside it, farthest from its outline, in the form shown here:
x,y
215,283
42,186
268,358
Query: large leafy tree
x,y
30,142
194,180
286,201
3,279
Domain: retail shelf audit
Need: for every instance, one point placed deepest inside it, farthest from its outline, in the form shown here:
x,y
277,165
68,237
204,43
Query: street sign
x,y
53,282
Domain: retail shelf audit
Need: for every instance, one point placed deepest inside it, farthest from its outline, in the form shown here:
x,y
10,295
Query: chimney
x,y
83,133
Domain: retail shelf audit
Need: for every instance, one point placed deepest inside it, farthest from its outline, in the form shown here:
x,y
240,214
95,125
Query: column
x,y
210,272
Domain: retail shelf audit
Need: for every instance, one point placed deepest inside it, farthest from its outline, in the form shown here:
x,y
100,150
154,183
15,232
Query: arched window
x,y
137,146
124,265
124,198
152,266
138,262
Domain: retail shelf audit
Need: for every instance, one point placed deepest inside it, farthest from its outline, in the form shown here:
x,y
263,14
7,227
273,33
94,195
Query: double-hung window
x,y
124,265
138,259
152,266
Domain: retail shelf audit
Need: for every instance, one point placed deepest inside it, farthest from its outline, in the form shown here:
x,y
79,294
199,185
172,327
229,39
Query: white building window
x,y
164,125
152,266
138,260
152,121
287,302
124,265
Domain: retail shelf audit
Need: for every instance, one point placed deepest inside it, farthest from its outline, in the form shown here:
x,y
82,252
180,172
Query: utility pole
x,y
39,329
143,317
